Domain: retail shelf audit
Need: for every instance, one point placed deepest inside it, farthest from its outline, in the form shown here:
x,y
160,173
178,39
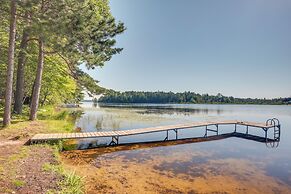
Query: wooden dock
x,y
269,124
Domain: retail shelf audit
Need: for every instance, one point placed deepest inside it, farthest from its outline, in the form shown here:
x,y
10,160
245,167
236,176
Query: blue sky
x,y
239,48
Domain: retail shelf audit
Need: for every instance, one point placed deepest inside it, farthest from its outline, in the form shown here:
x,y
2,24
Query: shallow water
x,y
220,164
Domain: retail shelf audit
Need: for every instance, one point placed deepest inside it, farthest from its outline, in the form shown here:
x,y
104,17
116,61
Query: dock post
x,y
247,132
266,133
216,129
234,127
114,141
176,131
167,137
205,132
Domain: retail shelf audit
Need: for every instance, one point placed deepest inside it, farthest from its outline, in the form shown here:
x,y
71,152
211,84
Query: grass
x,y
18,183
71,183
50,120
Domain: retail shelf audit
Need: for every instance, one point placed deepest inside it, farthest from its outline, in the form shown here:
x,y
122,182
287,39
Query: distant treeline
x,y
184,97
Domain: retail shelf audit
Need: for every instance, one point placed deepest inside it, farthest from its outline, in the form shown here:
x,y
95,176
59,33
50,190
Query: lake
x,y
218,165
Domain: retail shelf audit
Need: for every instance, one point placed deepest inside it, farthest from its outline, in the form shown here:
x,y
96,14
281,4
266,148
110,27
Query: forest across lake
x,y
184,97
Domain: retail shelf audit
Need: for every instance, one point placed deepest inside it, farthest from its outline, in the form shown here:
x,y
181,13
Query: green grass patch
x,y
18,183
48,114
47,167
57,126
71,183
51,120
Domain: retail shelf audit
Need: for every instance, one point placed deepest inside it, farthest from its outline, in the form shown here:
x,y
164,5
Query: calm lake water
x,y
222,165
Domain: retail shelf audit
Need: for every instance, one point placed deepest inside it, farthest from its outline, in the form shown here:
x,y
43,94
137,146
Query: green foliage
x,y
185,97
75,32
57,85
90,33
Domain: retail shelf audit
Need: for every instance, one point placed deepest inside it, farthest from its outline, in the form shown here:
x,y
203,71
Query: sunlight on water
x,y
220,164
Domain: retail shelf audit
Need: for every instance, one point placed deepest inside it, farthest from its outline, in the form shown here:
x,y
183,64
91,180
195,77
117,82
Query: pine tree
x,y
10,65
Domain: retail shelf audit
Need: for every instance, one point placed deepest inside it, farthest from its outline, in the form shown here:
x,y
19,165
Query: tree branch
x,y
70,66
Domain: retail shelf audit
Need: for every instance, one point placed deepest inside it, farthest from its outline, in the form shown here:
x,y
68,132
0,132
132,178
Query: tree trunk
x,y
37,83
10,66
20,74
30,97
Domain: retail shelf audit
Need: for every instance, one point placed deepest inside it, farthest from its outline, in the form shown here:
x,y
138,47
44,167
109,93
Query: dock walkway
x,y
270,123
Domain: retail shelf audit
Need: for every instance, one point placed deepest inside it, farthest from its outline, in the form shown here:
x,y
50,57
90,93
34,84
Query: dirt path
x,y
22,168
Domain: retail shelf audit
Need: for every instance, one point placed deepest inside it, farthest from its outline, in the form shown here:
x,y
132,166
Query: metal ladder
x,y
277,127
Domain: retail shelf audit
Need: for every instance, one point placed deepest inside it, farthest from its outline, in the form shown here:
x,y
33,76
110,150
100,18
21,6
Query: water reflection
x,y
163,109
